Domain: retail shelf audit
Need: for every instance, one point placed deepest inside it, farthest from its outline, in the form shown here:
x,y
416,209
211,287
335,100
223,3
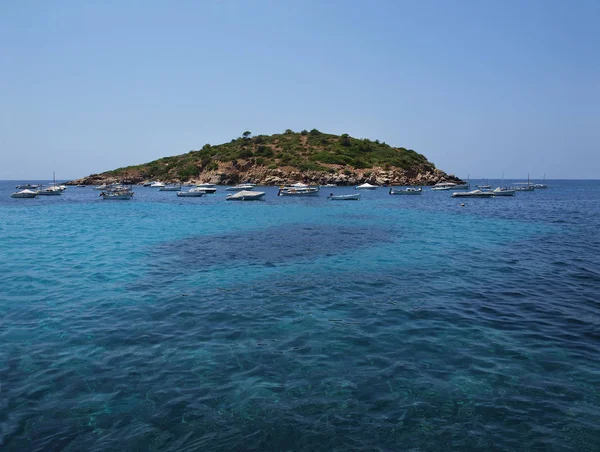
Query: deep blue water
x,y
391,323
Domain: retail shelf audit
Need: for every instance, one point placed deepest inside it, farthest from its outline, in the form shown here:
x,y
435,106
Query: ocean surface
x,y
300,324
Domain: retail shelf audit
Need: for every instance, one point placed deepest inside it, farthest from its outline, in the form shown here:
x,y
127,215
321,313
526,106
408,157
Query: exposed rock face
x,y
231,175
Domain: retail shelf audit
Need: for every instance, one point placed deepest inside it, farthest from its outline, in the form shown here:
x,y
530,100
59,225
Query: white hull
x,y
170,188
247,187
246,195
473,194
24,194
406,191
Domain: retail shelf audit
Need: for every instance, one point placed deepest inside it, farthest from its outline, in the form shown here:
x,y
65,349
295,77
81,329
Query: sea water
x,y
390,323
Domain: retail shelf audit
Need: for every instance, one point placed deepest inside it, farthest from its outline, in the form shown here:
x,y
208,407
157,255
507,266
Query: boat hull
x,y
414,191
344,197
190,194
246,196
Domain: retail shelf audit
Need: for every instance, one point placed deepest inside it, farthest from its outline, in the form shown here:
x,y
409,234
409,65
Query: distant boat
x,y
473,194
157,184
24,194
523,186
298,189
241,187
27,186
52,190
246,195
406,191
170,188
541,186
207,188
348,197
365,186
117,192
195,192
503,192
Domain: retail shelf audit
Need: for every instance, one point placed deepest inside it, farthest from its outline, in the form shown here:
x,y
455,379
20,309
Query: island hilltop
x,y
311,157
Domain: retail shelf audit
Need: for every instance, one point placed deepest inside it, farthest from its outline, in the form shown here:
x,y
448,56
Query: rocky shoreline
x,y
273,177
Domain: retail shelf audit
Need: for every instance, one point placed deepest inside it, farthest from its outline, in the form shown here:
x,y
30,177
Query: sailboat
x,y
53,190
524,186
501,191
542,185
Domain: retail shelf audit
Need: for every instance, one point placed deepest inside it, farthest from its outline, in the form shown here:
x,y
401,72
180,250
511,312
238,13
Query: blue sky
x,y
479,87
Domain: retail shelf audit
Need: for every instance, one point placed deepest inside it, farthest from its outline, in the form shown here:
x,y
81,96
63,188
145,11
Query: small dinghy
x,y
350,197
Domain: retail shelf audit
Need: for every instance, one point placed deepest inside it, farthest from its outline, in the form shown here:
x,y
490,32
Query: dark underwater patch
x,y
271,246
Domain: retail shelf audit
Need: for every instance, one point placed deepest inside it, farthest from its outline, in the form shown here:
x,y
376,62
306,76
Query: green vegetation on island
x,y
313,156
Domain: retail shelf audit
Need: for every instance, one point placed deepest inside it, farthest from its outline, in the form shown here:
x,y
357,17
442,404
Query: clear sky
x,y
480,88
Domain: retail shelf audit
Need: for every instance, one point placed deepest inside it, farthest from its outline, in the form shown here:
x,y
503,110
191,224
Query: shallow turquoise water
x,y
301,324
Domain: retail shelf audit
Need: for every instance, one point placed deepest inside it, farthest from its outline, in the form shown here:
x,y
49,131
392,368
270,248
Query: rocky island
x,y
311,157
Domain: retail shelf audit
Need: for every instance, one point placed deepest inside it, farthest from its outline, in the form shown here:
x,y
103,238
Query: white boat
x,y
542,185
241,187
27,186
206,188
442,186
503,192
348,197
157,184
365,186
192,193
246,195
473,194
170,188
117,192
298,189
25,194
101,187
406,191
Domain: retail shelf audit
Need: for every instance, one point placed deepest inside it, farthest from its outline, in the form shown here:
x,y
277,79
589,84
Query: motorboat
x,y
170,188
24,194
27,186
101,187
246,195
365,186
117,193
195,192
206,188
298,189
443,186
406,191
503,192
348,197
157,184
240,187
473,194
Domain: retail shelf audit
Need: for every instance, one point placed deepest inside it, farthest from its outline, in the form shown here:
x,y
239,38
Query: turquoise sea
x,y
390,323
